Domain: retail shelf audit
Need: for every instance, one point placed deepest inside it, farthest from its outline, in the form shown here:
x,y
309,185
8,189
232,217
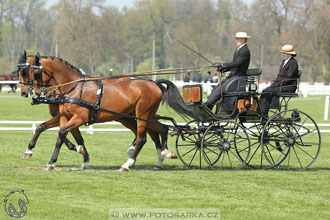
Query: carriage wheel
x,y
188,146
226,145
291,140
252,124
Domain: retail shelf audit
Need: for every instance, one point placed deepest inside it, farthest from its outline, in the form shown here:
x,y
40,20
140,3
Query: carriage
x,y
238,134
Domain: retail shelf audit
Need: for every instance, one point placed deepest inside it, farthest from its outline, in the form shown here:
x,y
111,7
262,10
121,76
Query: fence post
x,y
34,128
90,130
209,87
326,108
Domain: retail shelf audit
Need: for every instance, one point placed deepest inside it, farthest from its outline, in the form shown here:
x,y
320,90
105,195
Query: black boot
x,y
208,105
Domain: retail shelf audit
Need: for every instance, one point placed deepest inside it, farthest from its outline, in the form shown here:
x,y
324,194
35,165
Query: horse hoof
x,y
158,168
83,166
173,156
49,168
123,169
27,156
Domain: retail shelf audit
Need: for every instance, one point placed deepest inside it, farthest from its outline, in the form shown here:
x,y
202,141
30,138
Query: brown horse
x,y
9,77
26,80
140,98
26,87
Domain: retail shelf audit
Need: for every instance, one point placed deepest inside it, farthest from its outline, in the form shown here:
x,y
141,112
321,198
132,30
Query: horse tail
x,y
173,98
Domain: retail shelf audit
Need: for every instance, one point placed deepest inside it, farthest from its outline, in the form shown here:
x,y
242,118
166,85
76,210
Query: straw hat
x,y
288,49
241,35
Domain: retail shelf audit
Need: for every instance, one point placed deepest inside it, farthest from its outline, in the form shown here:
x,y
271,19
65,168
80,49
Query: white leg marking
x,y
130,151
84,165
160,158
80,149
167,153
130,162
28,151
164,152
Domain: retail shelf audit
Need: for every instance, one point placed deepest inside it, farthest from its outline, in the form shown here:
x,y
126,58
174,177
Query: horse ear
x,y
22,57
36,60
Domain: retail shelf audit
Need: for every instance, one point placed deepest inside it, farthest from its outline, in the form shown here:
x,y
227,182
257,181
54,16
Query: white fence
x,y
304,88
7,88
115,127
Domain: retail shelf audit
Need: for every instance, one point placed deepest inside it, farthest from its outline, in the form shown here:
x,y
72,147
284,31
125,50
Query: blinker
x,y
37,75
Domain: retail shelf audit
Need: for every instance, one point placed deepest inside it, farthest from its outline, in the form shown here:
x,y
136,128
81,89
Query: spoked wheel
x,y
291,140
226,145
251,121
188,146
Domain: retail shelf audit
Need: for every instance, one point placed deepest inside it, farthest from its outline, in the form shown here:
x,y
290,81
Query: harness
x,y
59,99
78,101
56,100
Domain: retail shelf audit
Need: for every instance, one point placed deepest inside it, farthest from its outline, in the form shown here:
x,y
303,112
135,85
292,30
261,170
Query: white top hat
x,y
242,35
288,49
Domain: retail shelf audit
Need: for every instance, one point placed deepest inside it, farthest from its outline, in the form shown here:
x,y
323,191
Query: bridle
x,y
23,69
38,75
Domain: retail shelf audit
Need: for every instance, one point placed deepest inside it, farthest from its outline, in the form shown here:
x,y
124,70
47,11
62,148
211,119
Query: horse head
x,y
37,74
48,71
24,74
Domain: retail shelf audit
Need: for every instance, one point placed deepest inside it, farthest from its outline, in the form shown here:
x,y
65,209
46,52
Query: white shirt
x,y
286,61
240,47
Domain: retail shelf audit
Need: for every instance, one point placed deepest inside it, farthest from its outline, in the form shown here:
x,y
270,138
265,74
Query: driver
x,y
238,67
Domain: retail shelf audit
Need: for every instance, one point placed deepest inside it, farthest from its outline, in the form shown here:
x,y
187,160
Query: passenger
x,y
288,72
186,78
208,77
215,78
237,67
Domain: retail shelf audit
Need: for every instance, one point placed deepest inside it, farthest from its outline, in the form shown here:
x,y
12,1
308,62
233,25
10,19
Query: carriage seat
x,y
236,86
254,72
290,94
279,100
238,89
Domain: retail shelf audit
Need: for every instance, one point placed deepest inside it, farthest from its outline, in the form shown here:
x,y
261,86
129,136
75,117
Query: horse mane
x,y
64,62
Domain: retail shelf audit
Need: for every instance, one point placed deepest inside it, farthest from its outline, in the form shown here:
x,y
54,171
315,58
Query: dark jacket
x,y
208,78
197,78
186,78
289,71
240,63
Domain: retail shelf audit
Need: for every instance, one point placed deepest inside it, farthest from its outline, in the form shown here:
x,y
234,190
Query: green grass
x,y
68,194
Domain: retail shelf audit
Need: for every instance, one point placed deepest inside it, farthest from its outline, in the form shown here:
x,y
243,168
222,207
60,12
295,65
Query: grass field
x,y
91,194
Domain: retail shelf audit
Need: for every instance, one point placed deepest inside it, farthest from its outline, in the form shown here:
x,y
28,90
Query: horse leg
x,y
153,131
74,122
155,137
141,139
81,146
162,130
53,122
60,139
164,134
130,124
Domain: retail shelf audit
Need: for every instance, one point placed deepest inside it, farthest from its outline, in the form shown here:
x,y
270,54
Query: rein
x,y
96,107
133,74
